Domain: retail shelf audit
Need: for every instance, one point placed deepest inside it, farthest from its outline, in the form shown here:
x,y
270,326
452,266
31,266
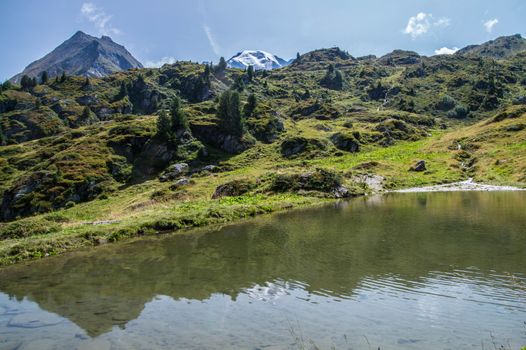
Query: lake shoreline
x,y
92,234
461,186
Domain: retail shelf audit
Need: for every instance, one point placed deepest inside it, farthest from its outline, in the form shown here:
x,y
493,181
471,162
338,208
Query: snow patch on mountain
x,y
257,58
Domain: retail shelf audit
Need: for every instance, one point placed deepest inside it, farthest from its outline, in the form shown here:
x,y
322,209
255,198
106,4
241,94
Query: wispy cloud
x,y
421,23
161,62
446,51
99,18
489,24
213,43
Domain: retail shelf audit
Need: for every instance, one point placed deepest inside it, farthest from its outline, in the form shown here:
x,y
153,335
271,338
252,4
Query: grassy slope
x,y
151,206
492,152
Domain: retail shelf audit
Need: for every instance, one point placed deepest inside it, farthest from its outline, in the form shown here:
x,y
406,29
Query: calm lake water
x,y
401,271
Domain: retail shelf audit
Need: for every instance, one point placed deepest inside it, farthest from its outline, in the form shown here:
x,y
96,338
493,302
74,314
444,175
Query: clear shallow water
x,y
402,271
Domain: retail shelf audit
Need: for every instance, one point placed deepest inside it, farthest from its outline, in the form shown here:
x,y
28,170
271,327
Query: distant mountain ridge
x,y
83,55
502,47
260,60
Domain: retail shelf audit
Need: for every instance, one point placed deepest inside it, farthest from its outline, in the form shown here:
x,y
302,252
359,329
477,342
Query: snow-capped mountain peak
x,y
257,58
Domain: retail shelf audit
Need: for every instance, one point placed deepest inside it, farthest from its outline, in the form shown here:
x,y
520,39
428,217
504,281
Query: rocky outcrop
x,y
346,142
233,188
213,135
294,146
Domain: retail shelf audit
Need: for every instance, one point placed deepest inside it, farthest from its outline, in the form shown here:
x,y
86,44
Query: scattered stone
x,y
210,168
232,189
419,166
179,183
34,320
174,171
341,192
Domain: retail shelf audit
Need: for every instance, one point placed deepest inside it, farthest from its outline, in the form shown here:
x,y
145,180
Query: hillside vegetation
x,y
88,161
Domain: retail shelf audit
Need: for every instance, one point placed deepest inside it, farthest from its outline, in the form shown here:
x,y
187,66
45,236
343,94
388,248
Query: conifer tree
x,y
44,77
250,72
221,66
179,121
250,106
63,77
123,91
229,113
164,126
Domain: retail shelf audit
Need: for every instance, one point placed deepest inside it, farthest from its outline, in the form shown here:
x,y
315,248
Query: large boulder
x,y
233,188
346,142
174,171
294,146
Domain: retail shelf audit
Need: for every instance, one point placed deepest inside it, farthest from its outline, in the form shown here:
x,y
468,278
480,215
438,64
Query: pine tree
x,y
250,72
251,105
63,77
164,126
25,82
87,83
123,91
221,66
229,113
239,85
179,121
44,77
86,113
297,56
33,82
7,85
206,73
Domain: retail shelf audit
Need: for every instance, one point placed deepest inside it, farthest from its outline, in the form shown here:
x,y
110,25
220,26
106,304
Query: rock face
x,y
258,59
345,142
83,55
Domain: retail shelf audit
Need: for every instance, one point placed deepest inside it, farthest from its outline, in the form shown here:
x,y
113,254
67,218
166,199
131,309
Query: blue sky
x,y
157,31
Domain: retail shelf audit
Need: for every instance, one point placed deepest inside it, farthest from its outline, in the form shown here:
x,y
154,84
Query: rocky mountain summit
x,y
83,55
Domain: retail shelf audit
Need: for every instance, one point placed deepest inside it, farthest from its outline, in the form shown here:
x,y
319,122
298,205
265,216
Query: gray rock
x,y
419,166
174,171
181,182
341,192
210,168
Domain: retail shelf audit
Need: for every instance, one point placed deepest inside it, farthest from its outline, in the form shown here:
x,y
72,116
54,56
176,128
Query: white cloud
x,y
99,18
421,23
489,24
160,63
215,46
446,51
